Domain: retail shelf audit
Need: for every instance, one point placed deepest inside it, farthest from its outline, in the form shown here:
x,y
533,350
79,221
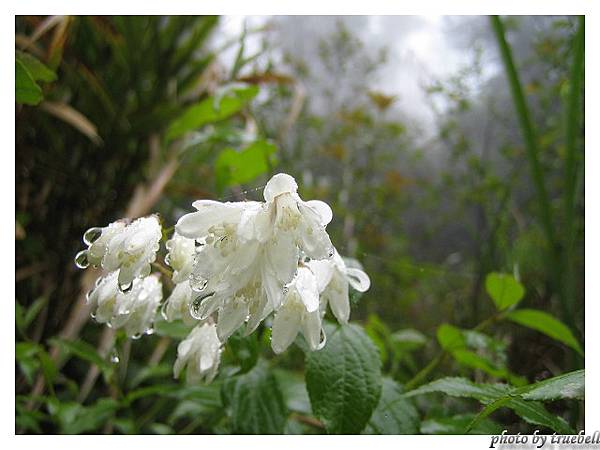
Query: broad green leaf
x,y
547,324
450,337
394,414
379,334
457,425
294,391
38,70
344,380
568,385
210,111
26,355
26,89
504,290
244,350
234,167
256,402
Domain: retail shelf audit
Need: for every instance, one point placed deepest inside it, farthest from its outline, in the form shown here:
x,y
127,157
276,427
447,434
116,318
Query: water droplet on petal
x,y
92,235
331,252
149,331
81,259
198,283
168,259
323,340
114,357
126,287
93,315
136,336
195,308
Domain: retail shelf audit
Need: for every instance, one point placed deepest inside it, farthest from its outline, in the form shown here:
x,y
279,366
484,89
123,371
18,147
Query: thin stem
x,y
537,172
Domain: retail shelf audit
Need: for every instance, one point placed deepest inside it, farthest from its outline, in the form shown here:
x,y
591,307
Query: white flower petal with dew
x,y
299,311
200,352
177,306
180,256
133,250
133,311
333,277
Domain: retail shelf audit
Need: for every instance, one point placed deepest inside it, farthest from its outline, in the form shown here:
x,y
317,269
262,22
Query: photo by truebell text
x,y
540,440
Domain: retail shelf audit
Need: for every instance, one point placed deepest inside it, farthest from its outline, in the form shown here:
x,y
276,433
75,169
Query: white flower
x,y
201,353
177,306
333,277
132,250
180,257
299,311
97,240
133,311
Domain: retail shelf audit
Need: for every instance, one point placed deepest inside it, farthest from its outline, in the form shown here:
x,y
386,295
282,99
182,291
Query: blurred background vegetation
x,y
130,115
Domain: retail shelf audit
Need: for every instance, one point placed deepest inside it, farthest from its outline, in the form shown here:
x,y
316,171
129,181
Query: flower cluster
x,y
234,264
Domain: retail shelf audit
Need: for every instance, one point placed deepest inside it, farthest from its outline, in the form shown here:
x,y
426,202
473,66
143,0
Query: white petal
x,y
306,286
321,208
323,270
311,329
282,256
272,286
210,213
358,279
279,184
231,316
337,295
286,325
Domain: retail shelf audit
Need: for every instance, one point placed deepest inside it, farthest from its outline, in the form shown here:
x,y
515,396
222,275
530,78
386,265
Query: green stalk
x,y
572,128
537,173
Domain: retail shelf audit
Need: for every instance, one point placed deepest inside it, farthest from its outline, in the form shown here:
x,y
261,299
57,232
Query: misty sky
x,y
420,48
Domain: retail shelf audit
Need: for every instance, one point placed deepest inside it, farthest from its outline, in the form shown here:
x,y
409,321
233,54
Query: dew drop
x,y
286,289
81,259
136,336
114,357
331,252
195,307
168,259
198,283
93,315
323,340
125,287
149,331
92,235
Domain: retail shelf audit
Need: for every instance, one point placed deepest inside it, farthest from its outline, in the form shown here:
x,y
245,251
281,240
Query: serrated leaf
x,y
38,70
495,396
234,167
207,112
568,385
256,402
394,414
26,89
547,324
344,380
504,290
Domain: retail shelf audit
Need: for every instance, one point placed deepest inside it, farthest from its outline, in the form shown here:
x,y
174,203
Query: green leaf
x,y
568,385
495,396
394,414
84,351
344,380
504,290
26,89
461,387
38,70
256,402
211,110
75,418
407,340
176,329
234,167
294,391
244,349
547,324
457,425
33,311
450,337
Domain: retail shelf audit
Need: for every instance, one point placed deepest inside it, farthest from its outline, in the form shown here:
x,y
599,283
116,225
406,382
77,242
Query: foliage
x,y
473,238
